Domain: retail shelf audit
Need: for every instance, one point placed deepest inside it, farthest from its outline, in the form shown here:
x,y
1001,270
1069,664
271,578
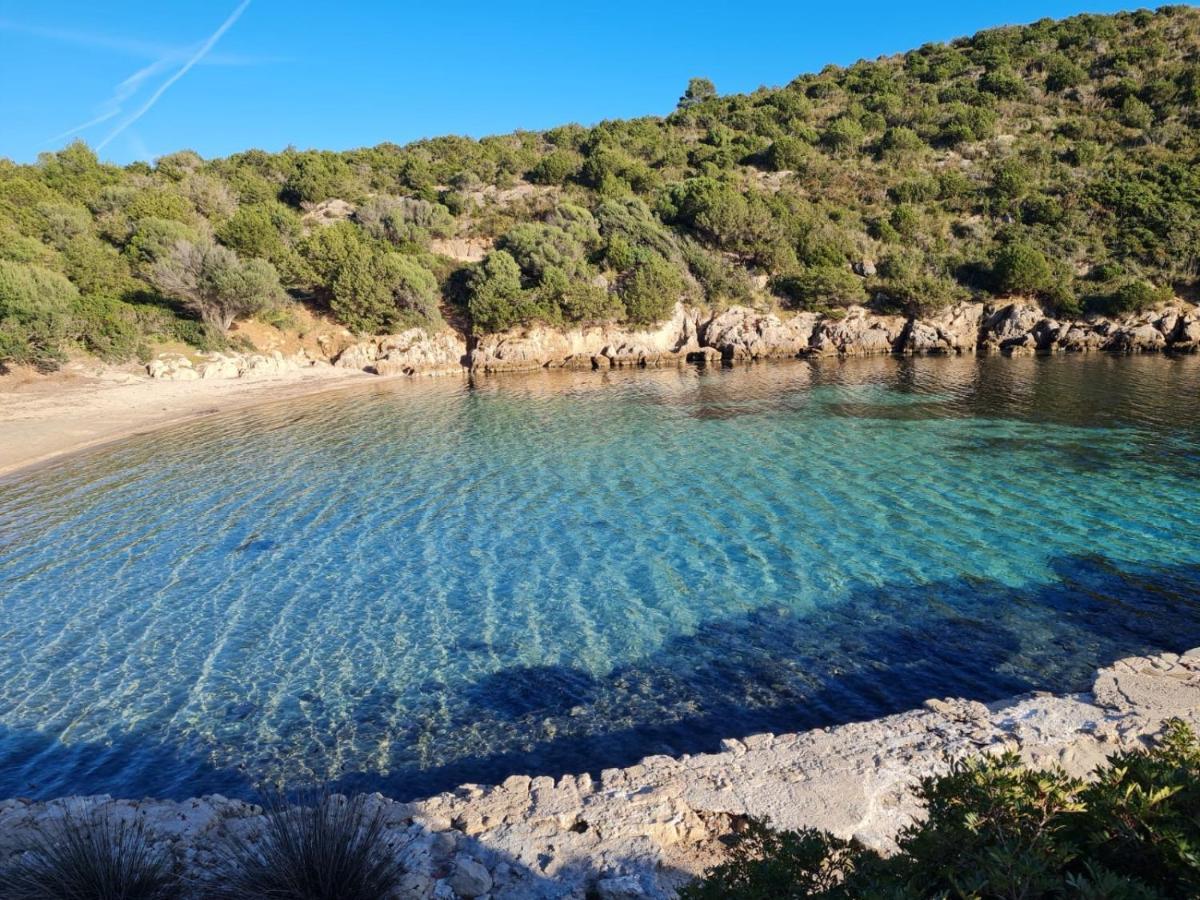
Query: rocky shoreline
x,y
742,334
644,830
735,334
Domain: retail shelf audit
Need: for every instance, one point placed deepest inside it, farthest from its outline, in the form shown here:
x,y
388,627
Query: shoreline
x,y
50,417
645,830
47,417
57,417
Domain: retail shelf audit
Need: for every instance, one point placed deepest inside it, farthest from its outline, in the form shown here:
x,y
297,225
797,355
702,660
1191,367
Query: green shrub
x,y
1020,268
382,291
650,291
1133,296
996,829
821,287
405,221
1063,73
35,310
496,298
556,167
106,327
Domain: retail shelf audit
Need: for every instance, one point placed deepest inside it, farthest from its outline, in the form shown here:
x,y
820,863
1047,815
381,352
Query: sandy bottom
x,y
45,416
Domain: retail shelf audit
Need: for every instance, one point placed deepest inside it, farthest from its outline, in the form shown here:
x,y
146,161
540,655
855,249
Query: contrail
x,y
113,106
131,46
196,57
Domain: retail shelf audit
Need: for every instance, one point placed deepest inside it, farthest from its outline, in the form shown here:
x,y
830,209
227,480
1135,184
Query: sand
x,y
47,416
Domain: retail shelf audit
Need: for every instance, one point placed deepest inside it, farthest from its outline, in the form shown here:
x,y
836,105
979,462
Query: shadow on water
x,y
885,649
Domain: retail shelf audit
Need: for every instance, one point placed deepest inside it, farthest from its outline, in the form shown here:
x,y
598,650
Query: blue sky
x,y
218,76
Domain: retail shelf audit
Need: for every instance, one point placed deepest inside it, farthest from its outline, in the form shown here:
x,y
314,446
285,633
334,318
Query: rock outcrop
x,y
175,367
740,333
858,333
954,330
597,346
411,352
644,830
734,334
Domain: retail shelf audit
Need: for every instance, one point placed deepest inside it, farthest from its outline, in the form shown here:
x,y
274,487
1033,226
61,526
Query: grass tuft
x,y
327,849
92,857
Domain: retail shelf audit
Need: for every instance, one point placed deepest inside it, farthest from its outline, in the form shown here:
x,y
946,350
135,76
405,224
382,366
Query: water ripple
x,y
416,584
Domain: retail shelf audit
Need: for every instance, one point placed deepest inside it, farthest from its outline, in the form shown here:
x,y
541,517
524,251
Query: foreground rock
x,y
644,830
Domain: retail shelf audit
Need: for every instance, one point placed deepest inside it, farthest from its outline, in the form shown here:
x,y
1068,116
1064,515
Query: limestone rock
x,y
588,346
953,330
1009,328
471,878
858,333
741,333
411,352
1137,337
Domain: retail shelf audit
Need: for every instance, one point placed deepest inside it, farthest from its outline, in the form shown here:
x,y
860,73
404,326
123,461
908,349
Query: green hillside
x,y
1056,160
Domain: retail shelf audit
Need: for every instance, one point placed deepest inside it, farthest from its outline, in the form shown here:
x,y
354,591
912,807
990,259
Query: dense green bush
x,y
497,298
996,829
1020,268
383,291
822,287
650,290
35,309
1133,296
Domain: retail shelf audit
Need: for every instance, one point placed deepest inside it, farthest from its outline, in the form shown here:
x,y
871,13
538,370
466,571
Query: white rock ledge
x,y
644,830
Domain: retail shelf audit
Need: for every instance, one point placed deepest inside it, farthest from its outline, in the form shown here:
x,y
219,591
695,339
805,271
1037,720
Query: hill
x,y
1056,160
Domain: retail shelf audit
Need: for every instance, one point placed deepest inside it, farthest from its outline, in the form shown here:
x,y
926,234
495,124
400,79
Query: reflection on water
x,y
417,584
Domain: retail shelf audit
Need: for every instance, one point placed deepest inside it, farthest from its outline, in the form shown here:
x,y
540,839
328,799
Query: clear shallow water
x,y
420,584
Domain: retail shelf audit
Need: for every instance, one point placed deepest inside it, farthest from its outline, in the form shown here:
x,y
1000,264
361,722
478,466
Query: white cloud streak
x,y
131,46
112,107
183,70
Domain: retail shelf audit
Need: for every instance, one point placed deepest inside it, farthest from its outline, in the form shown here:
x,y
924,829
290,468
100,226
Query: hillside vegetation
x,y
1056,160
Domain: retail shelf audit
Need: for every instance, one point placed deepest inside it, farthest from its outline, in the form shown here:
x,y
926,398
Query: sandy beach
x,y
47,416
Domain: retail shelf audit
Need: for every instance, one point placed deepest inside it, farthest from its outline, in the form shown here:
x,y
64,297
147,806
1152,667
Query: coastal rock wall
x,y
734,334
177,367
597,346
411,352
645,830
741,334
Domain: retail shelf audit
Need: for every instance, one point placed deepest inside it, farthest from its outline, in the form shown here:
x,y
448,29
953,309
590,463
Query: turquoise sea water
x,y
417,584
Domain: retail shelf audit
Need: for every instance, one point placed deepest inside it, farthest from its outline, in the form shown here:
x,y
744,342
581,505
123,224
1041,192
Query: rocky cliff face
x,y
644,830
599,346
412,352
740,333
735,334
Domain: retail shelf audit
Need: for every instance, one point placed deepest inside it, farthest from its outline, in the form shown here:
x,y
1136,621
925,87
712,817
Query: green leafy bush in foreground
x,y
999,830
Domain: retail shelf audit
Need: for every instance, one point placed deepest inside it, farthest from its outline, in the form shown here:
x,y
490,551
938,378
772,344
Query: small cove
x,y
408,586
